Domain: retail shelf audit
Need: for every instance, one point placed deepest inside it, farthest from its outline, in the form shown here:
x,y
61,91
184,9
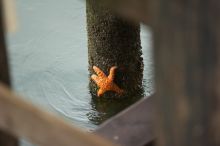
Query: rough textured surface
x,y
113,41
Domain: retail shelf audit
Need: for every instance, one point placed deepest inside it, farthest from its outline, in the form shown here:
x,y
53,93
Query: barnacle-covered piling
x,y
114,41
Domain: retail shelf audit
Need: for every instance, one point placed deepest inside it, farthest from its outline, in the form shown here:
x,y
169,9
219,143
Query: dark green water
x,y
48,58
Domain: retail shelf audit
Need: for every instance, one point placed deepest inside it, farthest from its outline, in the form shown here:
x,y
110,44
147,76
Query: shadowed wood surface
x,y
138,10
132,127
5,138
25,120
187,67
4,69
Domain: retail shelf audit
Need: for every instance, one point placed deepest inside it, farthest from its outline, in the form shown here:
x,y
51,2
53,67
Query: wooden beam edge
x,y
132,126
22,119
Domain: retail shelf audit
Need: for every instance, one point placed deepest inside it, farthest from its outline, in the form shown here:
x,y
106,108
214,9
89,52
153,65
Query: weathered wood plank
x,y
132,127
25,120
187,67
137,10
4,69
5,138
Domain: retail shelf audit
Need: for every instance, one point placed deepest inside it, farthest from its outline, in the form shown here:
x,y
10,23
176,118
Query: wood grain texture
x,y
25,120
133,126
187,67
5,138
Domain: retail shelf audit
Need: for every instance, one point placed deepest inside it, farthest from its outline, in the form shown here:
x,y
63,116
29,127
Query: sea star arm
x,y
95,78
100,92
117,89
112,73
99,72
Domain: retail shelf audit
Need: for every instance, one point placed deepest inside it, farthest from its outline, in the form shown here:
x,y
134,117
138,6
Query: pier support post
x,y
114,41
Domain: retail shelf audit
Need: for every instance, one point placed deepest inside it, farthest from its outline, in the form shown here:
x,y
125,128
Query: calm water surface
x,y
49,62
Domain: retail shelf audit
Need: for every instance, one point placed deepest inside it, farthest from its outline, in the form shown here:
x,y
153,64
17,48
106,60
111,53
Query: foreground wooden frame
x,y
133,126
25,120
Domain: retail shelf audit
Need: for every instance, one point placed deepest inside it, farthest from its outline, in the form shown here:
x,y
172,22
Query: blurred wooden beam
x,y
4,68
187,67
137,10
133,126
25,120
5,138
10,15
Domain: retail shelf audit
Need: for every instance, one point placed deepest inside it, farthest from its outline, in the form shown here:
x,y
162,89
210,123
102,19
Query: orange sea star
x,y
105,83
